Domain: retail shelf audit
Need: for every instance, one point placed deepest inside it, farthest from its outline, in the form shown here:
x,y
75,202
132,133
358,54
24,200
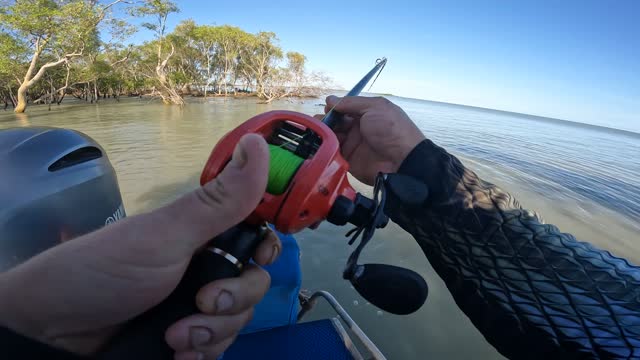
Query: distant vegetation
x,y
53,48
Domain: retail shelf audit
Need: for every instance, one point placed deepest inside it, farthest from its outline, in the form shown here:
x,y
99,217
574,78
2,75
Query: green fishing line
x,y
283,165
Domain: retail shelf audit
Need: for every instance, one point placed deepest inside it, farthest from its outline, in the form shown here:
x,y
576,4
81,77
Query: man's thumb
x,y
226,200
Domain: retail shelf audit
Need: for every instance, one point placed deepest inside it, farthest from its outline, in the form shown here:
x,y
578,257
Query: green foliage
x,y
159,10
13,56
156,7
57,32
32,17
265,43
200,57
53,25
296,61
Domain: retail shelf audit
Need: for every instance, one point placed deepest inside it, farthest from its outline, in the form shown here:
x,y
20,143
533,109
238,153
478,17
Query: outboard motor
x,y
55,184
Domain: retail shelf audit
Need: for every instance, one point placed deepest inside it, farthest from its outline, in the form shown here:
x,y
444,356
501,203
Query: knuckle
x,y
213,194
384,101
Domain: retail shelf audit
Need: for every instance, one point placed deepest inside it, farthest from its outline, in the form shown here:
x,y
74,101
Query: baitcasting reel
x,y
319,189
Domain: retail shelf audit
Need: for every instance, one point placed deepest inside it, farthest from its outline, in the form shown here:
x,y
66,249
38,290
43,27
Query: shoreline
x,y
148,99
239,96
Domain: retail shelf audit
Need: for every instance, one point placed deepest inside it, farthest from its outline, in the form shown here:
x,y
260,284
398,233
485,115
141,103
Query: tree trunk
x,y
22,99
61,97
224,80
30,79
51,93
11,97
235,80
95,90
168,94
208,82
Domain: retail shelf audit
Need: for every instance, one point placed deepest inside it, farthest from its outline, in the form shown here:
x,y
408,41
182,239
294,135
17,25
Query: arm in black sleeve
x,y
532,291
15,346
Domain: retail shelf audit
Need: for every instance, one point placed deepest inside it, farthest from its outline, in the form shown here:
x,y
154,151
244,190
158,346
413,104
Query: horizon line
x,y
631,133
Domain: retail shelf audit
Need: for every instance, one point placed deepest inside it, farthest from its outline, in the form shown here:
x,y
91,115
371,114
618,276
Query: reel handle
x,y
143,337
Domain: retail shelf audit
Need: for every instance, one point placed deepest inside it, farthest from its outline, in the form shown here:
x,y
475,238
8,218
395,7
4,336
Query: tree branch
x,y
44,67
66,82
34,60
165,61
103,12
123,59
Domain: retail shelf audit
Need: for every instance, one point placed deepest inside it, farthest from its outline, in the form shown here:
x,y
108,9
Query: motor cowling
x,y
55,185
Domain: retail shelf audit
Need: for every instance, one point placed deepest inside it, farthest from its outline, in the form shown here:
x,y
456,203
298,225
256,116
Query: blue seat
x,y
280,305
273,332
315,340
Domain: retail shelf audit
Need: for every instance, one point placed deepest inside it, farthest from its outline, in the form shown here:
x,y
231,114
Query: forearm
x,y
531,290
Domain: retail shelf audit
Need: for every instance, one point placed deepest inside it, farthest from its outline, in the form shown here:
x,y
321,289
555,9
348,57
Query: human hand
x,y
375,136
77,295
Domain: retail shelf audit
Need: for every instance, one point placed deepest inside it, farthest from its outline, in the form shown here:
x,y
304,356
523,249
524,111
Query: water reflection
x,y
22,119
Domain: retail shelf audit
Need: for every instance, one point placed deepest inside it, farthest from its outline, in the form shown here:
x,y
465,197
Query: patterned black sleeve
x,y
532,291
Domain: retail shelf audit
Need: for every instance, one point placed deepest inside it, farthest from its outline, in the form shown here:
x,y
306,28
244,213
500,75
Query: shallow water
x,y
584,179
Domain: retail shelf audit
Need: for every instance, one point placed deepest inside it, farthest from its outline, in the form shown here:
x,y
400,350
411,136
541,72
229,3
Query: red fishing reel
x,y
319,188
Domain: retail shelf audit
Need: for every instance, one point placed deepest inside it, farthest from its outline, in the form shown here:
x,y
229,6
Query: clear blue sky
x,y
574,60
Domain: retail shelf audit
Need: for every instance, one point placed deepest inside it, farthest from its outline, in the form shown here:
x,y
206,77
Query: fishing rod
x,y
332,117
308,142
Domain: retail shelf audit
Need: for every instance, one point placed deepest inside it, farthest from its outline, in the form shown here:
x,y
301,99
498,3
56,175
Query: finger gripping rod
x,y
225,257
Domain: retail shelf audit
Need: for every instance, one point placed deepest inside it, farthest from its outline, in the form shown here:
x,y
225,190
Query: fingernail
x,y
239,157
331,98
224,302
274,254
199,336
